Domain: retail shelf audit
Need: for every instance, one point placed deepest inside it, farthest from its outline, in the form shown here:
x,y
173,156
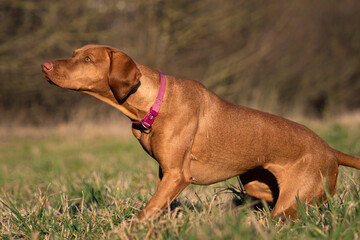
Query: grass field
x,y
81,186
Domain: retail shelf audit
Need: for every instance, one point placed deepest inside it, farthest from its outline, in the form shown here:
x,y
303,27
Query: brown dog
x,y
200,138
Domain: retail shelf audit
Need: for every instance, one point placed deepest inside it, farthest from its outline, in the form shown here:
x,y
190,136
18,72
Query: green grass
x,y
74,187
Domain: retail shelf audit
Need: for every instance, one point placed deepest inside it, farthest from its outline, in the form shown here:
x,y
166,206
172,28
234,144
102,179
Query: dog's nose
x,y
47,66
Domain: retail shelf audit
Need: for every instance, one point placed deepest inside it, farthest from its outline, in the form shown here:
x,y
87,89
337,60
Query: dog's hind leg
x,y
260,183
304,184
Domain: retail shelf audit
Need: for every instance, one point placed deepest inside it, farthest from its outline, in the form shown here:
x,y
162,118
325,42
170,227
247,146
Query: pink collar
x,y
149,119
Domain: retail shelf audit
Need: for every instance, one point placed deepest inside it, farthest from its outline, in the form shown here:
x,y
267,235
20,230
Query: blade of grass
x,y
19,218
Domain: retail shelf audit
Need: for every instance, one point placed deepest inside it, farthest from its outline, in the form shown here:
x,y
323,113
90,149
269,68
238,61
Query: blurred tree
x,y
285,57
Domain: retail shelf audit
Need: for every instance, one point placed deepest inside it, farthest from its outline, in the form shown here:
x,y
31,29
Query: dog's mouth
x,y
49,80
55,84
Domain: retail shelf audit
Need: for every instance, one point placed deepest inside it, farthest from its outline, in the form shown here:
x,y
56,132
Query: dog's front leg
x,y
173,153
169,187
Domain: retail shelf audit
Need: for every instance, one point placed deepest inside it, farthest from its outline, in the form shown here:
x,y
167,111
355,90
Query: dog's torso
x,y
227,139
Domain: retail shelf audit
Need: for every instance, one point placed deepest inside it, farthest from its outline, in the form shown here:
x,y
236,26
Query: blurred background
x,y
285,57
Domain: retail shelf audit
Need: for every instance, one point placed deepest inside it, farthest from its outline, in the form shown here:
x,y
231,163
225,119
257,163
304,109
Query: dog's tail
x,y
347,160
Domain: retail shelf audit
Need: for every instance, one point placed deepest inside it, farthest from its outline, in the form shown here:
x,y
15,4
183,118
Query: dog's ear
x,y
123,75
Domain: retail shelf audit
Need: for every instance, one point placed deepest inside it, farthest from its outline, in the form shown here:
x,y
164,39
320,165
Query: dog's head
x,y
97,69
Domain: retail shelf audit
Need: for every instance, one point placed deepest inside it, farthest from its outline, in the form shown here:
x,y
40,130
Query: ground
x,y
71,182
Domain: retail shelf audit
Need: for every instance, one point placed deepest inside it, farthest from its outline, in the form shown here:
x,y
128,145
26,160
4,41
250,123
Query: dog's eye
x,y
87,59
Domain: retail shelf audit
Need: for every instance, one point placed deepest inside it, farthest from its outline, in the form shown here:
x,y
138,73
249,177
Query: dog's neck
x,y
139,102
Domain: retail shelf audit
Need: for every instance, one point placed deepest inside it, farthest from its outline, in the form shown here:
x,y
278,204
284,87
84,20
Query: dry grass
x,y
77,182
79,127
